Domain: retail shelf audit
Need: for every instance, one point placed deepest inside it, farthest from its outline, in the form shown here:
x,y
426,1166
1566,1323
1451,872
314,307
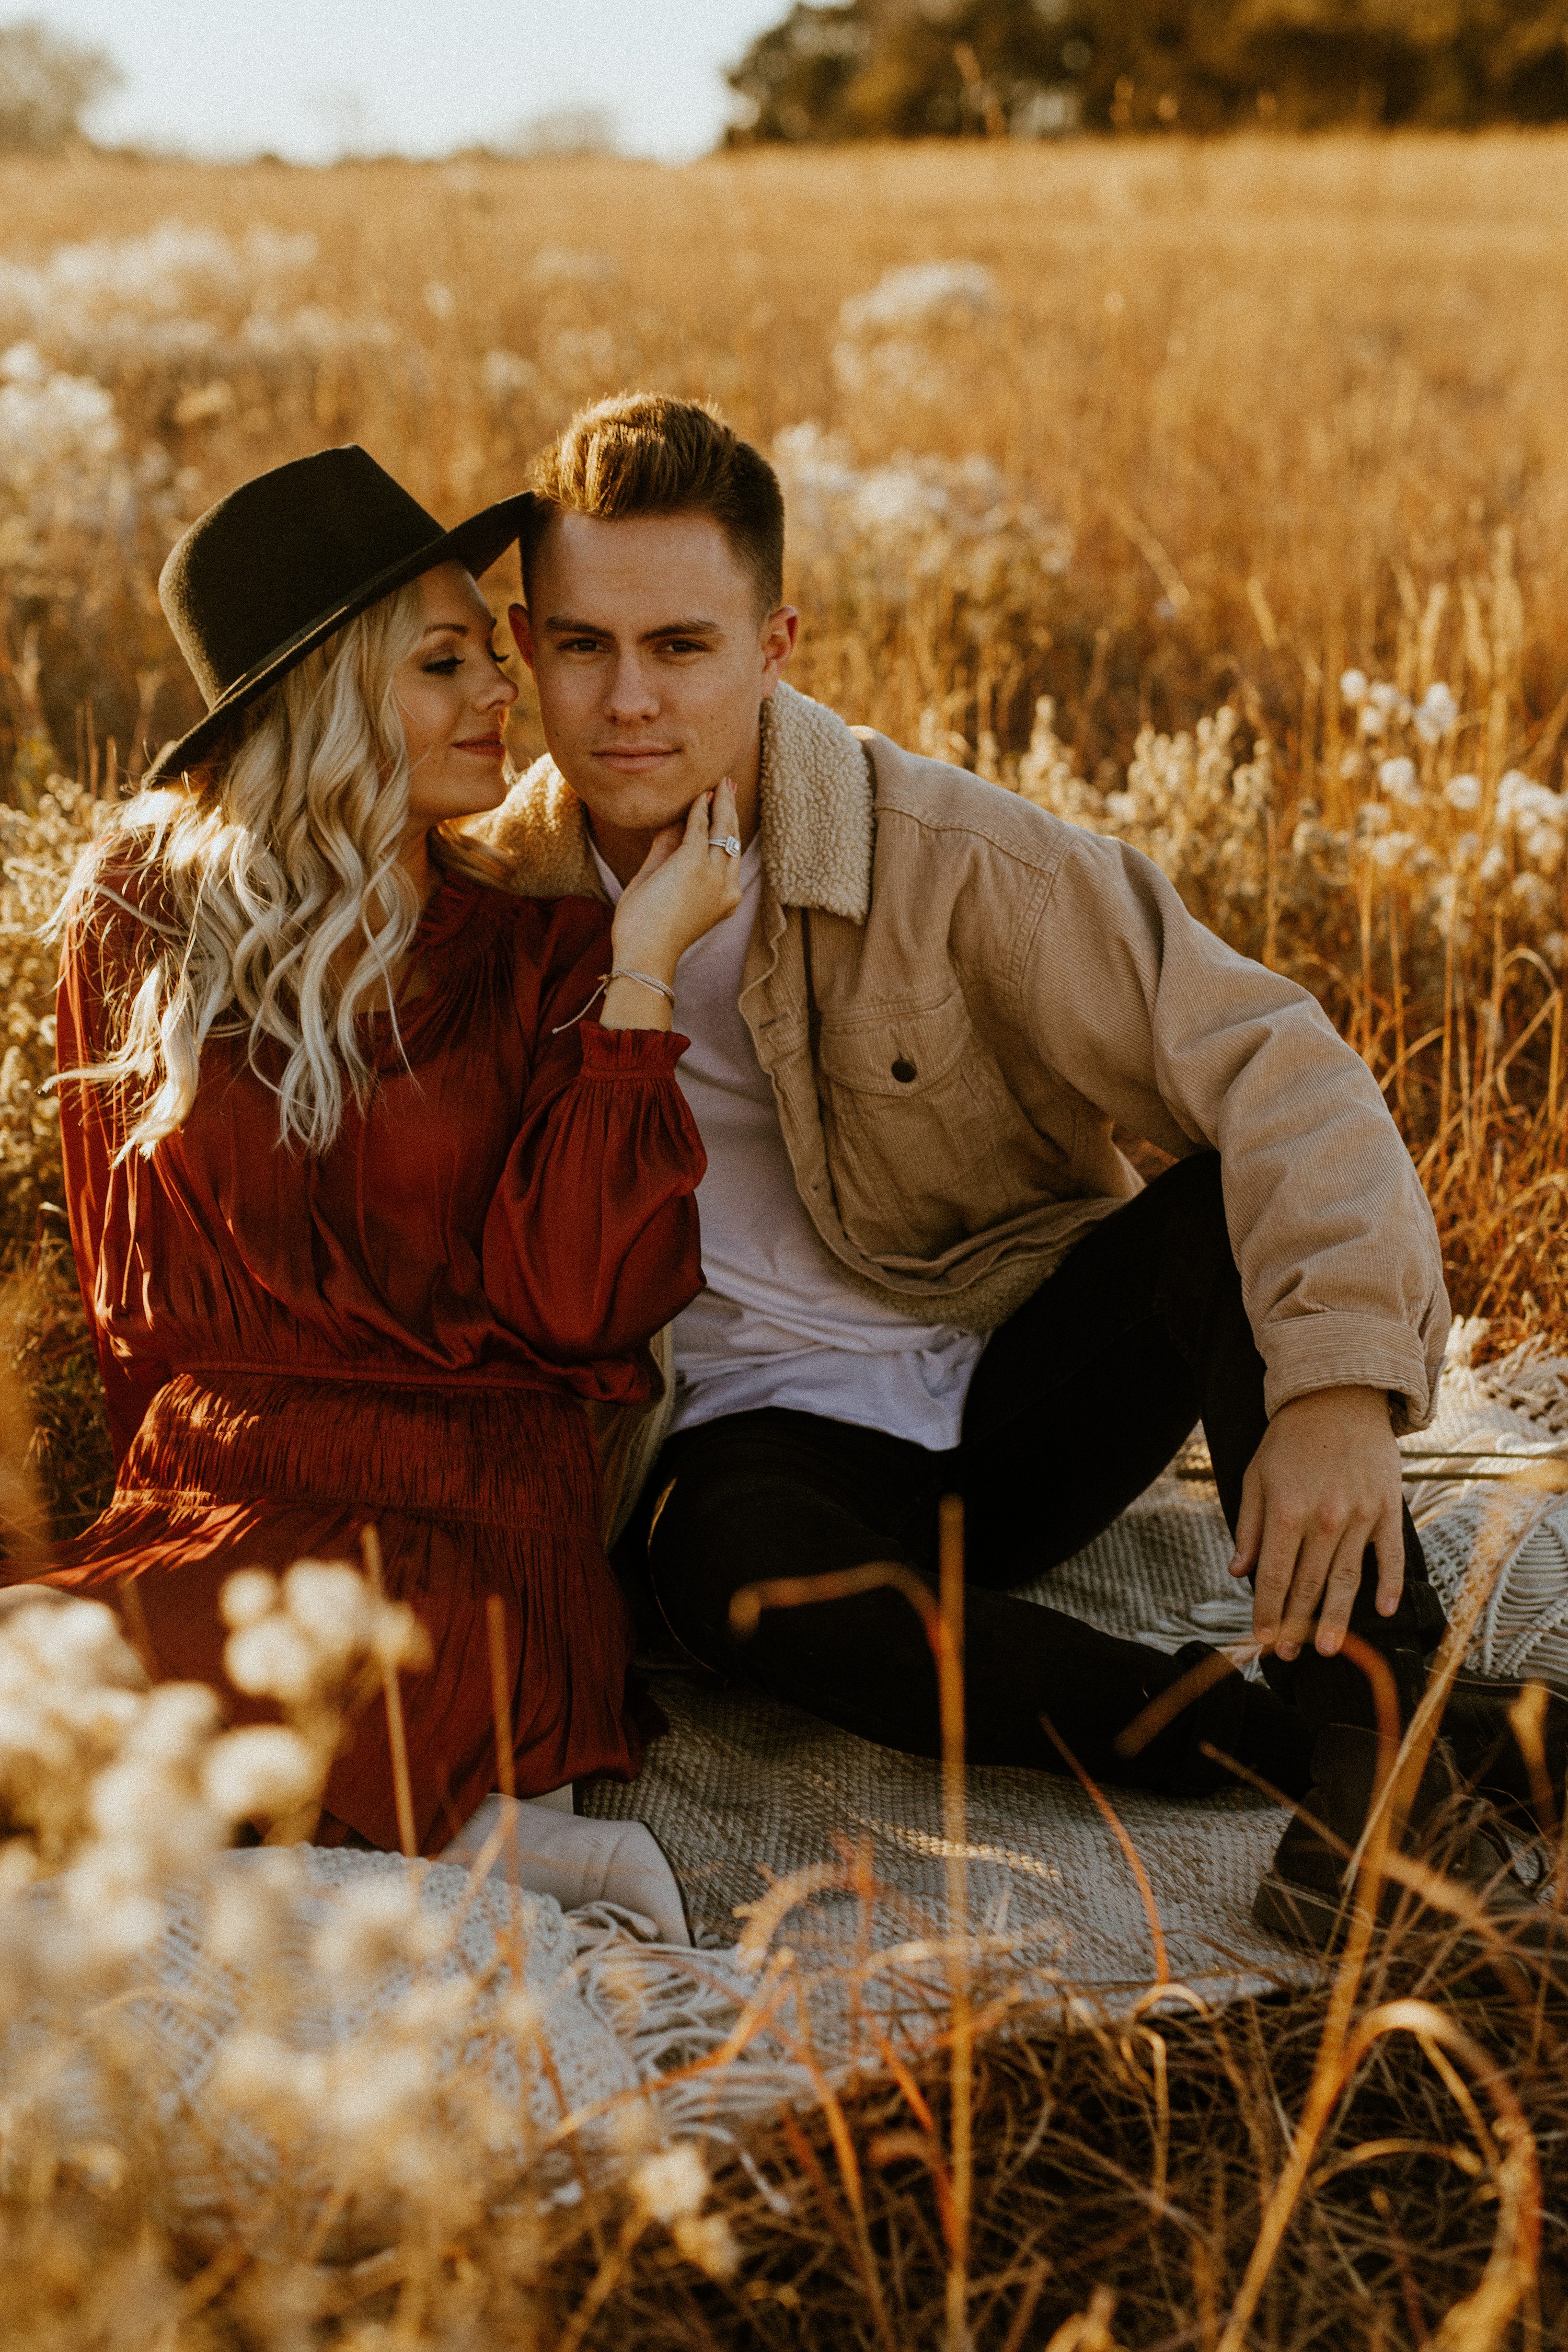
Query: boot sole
x,y
1301,1916
1297,1914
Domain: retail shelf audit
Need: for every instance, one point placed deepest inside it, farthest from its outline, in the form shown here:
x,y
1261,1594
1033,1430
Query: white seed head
x,y
258,1773
1463,794
1393,850
252,1904
428,2011
398,1639
1436,715
249,1594
373,1928
519,2015
254,2069
1533,896
175,1723
78,1642
708,2240
1397,781
271,1658
371,2085
333,1605
112,1914
672,2183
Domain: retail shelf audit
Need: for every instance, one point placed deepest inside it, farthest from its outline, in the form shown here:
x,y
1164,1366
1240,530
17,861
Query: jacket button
x,y
905,1072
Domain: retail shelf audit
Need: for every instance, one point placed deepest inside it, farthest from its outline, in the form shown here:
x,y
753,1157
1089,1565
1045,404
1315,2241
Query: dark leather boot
x,y
1478,1726
1307,1892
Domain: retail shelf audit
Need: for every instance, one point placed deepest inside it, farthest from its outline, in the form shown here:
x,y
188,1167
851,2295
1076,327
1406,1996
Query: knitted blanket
x,y
746,1794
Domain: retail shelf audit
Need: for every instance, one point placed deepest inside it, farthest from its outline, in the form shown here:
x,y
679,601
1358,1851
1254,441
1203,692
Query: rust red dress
x,y
402,1331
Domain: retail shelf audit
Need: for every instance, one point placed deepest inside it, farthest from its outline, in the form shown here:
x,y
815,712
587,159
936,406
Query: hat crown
x,y
280,554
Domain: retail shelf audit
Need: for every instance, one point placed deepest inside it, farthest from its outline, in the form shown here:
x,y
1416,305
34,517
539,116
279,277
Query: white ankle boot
x,y
550,1850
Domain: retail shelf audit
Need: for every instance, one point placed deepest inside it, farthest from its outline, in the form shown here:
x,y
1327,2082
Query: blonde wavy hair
x,y
268,865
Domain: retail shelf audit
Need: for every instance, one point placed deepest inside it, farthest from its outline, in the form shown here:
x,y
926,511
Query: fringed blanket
x,y
746,1794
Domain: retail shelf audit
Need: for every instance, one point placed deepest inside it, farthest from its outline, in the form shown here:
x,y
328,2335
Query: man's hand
x,y
1321,1486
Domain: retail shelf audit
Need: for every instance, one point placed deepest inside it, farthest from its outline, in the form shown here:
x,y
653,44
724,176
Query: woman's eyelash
x,y
447,665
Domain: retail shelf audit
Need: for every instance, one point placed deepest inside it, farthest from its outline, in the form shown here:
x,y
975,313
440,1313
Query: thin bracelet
x,y
617,971
624,971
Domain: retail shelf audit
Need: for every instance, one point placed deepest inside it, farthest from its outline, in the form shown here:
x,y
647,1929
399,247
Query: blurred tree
x,y
566,130
911,68
792,81
47,84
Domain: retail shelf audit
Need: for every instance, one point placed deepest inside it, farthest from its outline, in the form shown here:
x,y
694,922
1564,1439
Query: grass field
x,y
1213,495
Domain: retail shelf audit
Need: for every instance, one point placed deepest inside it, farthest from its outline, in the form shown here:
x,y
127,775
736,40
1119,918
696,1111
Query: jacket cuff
x,y
629,1053
1307,1352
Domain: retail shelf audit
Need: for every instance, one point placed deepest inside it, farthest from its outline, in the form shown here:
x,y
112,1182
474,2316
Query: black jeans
x,y
1078,1403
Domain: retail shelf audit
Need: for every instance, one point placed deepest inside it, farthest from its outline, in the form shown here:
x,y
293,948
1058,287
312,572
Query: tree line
x,y
1031,68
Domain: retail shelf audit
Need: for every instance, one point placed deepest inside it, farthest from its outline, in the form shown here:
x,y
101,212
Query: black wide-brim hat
x,y
271,572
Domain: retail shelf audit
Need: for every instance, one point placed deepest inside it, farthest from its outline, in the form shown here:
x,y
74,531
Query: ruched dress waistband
x,y
485,1455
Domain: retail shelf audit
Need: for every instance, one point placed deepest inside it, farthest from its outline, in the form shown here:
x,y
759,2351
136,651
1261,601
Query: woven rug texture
x,y
745,1793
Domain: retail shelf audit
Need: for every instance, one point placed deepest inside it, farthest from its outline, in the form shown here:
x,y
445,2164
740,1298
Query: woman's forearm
x,y
633,1001
687,884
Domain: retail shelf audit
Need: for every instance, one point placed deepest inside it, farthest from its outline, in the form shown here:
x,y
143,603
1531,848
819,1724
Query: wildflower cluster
x,y
304,2055
1454,837
320,1644
111,1789
118,356
884,542
186,301
900,340
38,848
569,365
1453,844
671,2188
90,324
1189,801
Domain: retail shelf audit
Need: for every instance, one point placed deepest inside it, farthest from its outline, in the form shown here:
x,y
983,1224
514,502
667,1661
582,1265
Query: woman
x,y
364,1210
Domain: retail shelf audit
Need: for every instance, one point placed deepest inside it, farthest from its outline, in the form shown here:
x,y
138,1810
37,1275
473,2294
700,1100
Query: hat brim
x,y
477,543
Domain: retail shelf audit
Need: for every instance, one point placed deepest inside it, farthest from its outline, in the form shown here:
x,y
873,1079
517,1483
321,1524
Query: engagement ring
x,y
729,843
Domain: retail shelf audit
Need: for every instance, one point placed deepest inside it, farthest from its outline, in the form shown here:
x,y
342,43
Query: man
x,y
930,1267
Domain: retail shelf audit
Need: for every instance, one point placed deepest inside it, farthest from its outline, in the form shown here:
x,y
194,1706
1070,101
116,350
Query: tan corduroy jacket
x,y
957,997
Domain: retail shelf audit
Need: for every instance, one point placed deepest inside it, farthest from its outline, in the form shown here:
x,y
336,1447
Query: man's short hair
x,y
644,453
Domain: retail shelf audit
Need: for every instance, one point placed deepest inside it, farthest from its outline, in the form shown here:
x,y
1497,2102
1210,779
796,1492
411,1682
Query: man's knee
x,y
1193,1193
1200,1285
698,1553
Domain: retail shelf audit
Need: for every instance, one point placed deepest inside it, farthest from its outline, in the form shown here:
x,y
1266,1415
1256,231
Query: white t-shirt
x,y
779,1324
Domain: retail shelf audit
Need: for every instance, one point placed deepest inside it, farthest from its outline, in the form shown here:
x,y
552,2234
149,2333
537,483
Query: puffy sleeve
x,y
92,1127
591,1243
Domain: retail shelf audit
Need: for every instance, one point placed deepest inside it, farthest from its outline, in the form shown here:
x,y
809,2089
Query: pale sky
x,y
306,77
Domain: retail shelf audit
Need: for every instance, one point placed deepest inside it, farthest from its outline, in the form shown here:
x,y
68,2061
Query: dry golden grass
x,y
1219,424
1255,413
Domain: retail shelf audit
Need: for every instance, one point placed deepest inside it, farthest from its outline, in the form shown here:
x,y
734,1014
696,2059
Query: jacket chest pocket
x,y
925,1144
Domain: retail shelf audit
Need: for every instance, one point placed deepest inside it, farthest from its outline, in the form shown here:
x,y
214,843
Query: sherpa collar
x,y
819,817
